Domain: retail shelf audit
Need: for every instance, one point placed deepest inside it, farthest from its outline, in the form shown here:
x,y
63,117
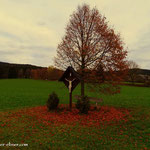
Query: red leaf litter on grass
x,y
94,118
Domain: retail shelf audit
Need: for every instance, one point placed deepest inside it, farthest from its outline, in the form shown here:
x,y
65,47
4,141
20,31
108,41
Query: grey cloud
x,y
41,23
40,47
20,1
3,53
143,42
10,36
37,55
42,60
141,50
143,62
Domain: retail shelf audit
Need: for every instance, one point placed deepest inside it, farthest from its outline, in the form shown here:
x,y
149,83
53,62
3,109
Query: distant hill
x,y
144,72
141,71
5,64
10,70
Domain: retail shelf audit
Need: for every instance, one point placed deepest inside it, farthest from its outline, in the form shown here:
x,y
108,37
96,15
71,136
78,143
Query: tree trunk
x,y
82,78
82,88
70,100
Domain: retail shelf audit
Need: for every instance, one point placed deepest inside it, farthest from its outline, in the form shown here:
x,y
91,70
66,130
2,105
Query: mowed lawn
x,y
122,121
16,93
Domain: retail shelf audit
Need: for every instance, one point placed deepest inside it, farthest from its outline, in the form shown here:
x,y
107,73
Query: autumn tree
x,y
54,73
20,73
34,74
91,46
43,74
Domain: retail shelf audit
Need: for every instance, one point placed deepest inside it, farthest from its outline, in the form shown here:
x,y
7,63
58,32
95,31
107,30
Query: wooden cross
x,y
71,79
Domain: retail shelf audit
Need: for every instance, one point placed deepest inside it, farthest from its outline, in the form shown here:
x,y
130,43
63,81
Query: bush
x,y
53,101
83,105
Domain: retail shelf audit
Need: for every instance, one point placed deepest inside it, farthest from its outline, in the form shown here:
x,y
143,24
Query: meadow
x,y
17,93
122,121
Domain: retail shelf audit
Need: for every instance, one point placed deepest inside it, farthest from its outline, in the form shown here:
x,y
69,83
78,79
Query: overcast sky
x,y
30,30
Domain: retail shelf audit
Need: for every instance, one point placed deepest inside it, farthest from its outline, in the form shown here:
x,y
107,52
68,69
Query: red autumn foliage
x,y
94,118
50,73
111,124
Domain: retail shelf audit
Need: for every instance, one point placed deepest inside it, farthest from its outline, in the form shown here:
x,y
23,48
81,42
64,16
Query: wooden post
x,y
70,100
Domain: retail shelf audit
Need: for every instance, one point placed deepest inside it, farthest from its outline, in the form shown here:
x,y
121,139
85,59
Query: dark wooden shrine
x,y
71,79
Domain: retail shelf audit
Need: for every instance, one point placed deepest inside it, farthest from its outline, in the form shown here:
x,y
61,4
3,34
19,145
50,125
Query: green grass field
x,y
22,122
24,92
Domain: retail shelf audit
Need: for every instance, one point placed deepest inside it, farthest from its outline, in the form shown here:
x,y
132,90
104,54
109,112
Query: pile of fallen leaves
x,y
105,114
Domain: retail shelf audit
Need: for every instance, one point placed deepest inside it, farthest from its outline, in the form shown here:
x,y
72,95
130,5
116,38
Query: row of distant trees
x,y
8,71
137,75
12,72
134,75
50,73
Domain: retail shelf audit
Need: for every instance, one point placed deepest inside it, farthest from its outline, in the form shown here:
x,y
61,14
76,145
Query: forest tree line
x,y
9,71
